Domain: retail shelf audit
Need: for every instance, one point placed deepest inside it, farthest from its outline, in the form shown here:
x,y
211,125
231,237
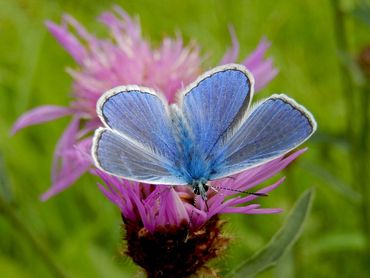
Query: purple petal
x,y
198,217
250,178
232,53
70,162
254,59
40,115
81,31
143,212
272,168
88,127
264,74
245,209
66,181
110,195
118,192
265,211
65,143
68,41
175,209
265,190
262,70
84,149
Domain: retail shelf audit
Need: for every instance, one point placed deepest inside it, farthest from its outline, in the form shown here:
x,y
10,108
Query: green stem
x,y
292,195
363,156
359,141
23,230
347,84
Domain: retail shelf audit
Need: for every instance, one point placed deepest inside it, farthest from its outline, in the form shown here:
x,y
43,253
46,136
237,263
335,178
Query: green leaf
x,y
348,241
335,183
280,242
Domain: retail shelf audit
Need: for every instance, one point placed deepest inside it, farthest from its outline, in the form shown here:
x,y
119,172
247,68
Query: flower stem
x,y
347,84
7,210
358,140
291,189
363,157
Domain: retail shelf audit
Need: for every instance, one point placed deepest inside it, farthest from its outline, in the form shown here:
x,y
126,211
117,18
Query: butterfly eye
x,y
196,189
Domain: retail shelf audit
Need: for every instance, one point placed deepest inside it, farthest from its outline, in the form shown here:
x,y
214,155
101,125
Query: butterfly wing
x,y
138,142
121,156
273,128
140,114
216,102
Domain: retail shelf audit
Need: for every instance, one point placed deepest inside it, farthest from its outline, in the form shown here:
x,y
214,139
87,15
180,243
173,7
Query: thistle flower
x,y
170,235
123,58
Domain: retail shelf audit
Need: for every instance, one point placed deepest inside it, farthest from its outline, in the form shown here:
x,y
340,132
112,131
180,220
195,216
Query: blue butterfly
x,y
210,134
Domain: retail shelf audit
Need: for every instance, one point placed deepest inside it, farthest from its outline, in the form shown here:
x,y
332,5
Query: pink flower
x,y
166,232
123,58
159,205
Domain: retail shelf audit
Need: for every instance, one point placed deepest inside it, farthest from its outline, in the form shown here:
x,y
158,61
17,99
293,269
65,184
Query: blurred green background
x,y
80,229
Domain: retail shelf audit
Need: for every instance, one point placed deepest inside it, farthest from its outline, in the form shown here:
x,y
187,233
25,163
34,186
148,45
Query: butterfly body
x,y
190,166
210,134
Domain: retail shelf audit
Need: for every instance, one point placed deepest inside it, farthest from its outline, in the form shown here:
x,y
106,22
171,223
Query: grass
x,y
80,230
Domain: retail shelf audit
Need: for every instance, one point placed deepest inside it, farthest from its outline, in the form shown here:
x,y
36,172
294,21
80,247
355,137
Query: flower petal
x,y
254,59
65,181
67,40
232,53
265,190
66,143
70,160
250,178
264,211
40,115
175,208
262,70
245,209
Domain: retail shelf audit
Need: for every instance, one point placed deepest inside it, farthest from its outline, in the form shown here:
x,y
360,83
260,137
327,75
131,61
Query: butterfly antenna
x,y
241,191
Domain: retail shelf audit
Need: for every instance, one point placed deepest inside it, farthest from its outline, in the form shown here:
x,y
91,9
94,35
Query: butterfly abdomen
x,y
184,141
194,165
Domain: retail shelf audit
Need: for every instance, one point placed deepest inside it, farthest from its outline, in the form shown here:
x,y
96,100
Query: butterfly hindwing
x,y
216,102
273,128
121,156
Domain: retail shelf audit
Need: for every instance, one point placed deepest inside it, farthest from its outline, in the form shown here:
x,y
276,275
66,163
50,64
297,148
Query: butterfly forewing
x,y
141,115
272,129
216,102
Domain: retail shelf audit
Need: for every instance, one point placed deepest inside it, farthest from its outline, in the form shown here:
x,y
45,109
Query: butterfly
x,y
211,133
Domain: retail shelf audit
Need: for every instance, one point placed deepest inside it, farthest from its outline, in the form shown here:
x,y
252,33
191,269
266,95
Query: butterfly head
x,y
200,187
